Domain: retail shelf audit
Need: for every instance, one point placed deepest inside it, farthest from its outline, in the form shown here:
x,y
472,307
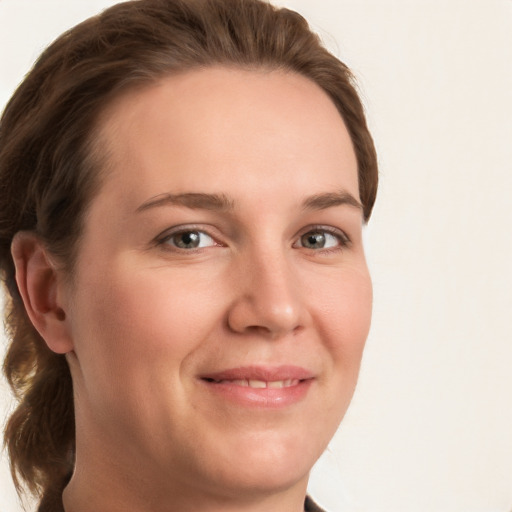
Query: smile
x,y
260,386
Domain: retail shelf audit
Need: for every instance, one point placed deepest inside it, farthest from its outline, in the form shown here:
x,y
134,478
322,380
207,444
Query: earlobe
x,y
39,283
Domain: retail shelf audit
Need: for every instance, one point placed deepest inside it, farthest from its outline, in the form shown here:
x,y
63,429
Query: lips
x,y
261,373
260,386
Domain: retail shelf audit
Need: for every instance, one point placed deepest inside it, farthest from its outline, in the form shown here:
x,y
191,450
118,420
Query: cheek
x,y
342,314
131,323
345,319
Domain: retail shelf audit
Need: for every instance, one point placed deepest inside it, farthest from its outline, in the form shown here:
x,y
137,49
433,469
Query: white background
x,y
430,427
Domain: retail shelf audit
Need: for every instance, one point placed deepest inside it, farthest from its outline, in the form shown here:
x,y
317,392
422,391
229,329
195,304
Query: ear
x,y
41,287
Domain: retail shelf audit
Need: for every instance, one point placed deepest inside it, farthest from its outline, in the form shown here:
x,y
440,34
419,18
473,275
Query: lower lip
x,y
272,398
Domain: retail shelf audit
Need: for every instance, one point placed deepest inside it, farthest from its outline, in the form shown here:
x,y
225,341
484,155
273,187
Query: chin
x,y
267,465
243,480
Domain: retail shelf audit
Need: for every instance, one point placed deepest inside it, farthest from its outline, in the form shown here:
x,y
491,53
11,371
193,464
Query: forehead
x,y
219,129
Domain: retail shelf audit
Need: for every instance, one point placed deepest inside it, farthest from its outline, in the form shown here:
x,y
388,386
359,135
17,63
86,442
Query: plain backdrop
x,y
430,426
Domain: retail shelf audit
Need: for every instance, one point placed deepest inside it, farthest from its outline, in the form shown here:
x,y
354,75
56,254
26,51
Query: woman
x,y
184,185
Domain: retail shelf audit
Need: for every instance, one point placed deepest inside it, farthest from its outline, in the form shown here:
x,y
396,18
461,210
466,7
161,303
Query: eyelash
x,y
162,240
342,238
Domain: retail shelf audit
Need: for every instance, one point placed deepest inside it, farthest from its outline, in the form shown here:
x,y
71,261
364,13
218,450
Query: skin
x,y
143,319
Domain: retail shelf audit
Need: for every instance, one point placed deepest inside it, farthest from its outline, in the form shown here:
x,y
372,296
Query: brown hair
x,y
49,167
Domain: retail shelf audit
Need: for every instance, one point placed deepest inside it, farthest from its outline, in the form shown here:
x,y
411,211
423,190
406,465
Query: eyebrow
x,y
221,202
193,200
331,199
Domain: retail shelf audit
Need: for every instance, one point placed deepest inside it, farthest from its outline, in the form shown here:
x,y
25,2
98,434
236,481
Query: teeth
x,y
273,384
257,384
261,384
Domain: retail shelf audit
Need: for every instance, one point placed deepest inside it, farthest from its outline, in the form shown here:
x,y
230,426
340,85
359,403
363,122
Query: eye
x,y
189,239
322,239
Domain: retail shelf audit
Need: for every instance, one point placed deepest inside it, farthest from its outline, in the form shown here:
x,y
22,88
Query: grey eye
x,y
191,240
319,240
313,240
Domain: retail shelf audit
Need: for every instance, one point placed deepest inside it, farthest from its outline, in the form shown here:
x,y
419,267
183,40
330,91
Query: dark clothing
x,y
311,506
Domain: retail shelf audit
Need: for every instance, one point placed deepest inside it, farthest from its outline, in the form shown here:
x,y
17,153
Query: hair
x,y
50,165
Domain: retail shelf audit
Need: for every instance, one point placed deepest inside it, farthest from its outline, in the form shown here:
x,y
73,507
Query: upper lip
x,y
263,373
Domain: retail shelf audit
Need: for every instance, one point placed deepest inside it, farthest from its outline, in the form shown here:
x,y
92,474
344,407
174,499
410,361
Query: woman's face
x,y
221,299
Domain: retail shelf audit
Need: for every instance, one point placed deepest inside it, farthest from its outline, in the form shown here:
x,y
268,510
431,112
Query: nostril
x,y
270,310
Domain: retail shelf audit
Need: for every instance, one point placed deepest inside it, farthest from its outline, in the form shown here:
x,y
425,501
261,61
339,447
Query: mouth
x,y
257,384
260,386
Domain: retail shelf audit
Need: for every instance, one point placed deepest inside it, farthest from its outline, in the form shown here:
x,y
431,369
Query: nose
x,y
268,298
